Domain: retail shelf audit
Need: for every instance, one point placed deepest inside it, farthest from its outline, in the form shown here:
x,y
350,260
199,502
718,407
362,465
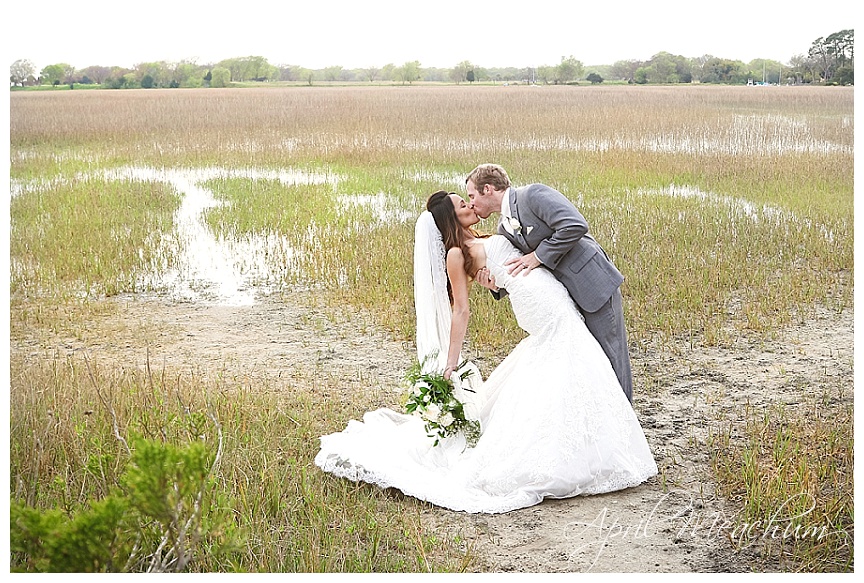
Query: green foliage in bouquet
x,y
432,400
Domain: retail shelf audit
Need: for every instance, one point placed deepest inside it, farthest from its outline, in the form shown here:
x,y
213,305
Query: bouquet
x,y
432,400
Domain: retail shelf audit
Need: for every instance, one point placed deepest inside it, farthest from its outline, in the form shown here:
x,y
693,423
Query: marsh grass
x,y
89,238
793,484
270,509
762,233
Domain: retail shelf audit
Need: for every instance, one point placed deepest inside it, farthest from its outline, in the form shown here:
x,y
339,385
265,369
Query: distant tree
x,y
625,70
113,83
668,68
20,71
371,73
545,73
195,81
470,76
844,75
388,72
833,52
57,73
770,70
594,78
220,77
459,73
119,71
697,66
116,79
718,70
842,46
187,74
96,73
683,69
147,82
500,74
409,72
286,73
332,73
569,69
249,68
796,69
158,72
307,75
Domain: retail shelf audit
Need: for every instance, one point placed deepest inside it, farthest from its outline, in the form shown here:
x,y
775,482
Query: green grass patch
x,y
791,474
90,238
87,441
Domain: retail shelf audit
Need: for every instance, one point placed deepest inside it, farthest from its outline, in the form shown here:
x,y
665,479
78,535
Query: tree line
x,y
829,60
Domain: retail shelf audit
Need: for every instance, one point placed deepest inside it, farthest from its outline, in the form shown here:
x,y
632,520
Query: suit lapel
x,y
514,212
518,239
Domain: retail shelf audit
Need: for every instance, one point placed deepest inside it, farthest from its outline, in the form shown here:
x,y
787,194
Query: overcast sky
x,y
365,33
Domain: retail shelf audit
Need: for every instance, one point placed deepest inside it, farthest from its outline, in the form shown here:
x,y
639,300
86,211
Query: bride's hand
x,y
486,279
520,264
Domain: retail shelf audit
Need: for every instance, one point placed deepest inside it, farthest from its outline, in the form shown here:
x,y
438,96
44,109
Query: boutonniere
x,y
515,224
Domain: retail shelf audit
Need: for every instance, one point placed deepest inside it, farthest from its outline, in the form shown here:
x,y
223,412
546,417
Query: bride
x,y
554,420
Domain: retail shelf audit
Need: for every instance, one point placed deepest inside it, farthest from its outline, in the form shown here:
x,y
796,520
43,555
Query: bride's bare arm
x,y
460,284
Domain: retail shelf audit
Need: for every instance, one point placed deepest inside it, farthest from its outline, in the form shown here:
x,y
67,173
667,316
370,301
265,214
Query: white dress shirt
x,y
505,212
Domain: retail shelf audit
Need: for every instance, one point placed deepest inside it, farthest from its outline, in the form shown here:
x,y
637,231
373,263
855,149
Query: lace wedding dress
x,y
555,421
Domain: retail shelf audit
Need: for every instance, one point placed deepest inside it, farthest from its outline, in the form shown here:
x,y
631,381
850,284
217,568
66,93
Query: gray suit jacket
x,y
551,226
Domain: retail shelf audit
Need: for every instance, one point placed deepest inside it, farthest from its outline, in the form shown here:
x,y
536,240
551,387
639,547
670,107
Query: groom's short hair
x,y
491,174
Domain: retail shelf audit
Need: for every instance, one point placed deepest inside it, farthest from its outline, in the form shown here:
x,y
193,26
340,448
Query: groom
x,y
545,225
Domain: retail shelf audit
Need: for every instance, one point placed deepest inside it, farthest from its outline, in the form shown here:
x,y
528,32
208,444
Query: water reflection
x,y
224,271
233,269
740,207
383,208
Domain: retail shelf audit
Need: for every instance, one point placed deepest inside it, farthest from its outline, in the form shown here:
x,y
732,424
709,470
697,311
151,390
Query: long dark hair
x,y
441,207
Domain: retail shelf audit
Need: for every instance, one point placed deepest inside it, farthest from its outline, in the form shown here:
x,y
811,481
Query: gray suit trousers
x,y
607,326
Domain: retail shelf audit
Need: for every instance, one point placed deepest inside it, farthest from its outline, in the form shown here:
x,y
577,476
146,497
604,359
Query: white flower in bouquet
x,y
446,419
433,411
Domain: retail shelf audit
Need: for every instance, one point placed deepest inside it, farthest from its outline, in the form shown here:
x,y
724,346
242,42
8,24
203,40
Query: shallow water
x,y
739,207
211,268
215,269
233,271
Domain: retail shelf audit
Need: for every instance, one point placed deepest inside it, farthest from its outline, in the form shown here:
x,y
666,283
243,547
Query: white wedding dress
x,y
555,422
